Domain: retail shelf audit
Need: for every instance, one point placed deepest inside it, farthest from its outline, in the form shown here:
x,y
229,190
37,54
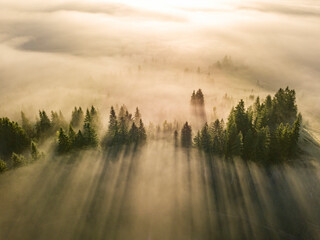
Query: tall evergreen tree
x,y
142,132
133,134
89,136
43,125
12,138
206,142
77,117
175,138
137,117
35,154
27,126
186,136
79,141
63,142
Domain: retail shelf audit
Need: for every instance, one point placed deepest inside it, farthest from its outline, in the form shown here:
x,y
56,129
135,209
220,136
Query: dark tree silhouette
x,y
12,138
77,117
186,136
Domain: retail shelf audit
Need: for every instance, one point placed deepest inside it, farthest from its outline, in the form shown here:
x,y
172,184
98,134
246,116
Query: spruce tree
x,y
35,154
137,117
206,142
3,166
134,134
186,136
175,138
63,142
79,141
142,132
43,126
90,136
27,126
12,138
77,117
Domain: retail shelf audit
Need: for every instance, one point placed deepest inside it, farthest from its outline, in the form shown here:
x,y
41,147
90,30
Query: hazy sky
x,y
58,54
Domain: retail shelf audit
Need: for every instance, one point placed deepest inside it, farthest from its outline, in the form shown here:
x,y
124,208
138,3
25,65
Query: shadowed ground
x,y
158,192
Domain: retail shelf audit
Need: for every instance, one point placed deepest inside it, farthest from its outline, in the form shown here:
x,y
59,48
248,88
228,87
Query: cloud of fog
x,y
56,55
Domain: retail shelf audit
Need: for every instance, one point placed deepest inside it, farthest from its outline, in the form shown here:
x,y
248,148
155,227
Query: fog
x,y
67,53
59,54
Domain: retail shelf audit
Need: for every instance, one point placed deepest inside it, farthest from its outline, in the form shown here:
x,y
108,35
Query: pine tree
x,y
186,136
95,119
206,143
12,138
72,136
35,154
137,117
133,134
43,126
27,126
77,117
63,142
142,133
89,135
122,136
249,142
87,118
112,128
197,140
294,136
199,98
262,145
231,135
3,166
193,98
17,160
175,137
79,141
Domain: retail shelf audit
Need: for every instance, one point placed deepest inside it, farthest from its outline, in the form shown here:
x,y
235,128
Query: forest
x,y
266,132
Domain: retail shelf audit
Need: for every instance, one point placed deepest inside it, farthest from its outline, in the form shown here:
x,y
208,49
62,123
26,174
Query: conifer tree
x,y
206,142
133,134
186,136
87,118
295,133
89,136
197,140
3,166
79,141
122,136
95,119
142,132
63,142
43,126
35,154
77,117
27,126
12,138
17,160
175,137
72,136
137,117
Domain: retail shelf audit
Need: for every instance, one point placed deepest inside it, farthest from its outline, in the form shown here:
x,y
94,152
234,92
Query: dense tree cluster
x,y
197,105
12,138
124,129
186,136
86,137
265,132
